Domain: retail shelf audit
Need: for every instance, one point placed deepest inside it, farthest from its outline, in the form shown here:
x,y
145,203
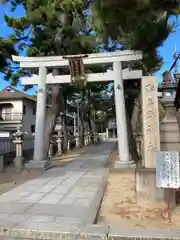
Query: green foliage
x,y
49,27
136,24
6,50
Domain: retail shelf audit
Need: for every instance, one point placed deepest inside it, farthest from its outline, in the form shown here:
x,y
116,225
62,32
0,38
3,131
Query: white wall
x,y
17,105
29,118
4,134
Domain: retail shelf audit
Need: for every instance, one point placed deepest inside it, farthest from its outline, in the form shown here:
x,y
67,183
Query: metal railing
x,y
7,145
11,117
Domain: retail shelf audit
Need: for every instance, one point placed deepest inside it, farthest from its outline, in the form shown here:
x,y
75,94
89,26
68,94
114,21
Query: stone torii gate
x,y
117,74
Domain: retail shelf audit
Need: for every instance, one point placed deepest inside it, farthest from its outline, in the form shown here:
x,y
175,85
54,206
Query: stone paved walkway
x,y
64,196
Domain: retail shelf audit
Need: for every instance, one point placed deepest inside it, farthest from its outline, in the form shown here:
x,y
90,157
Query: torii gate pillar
x,y
124,159
40,116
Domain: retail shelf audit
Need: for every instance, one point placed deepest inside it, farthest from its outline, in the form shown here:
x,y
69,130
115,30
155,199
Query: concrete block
x,y
119,164
15,193
118,233
51,198
13,196
57,210
38,181
56,182
46,226
48,231
61,190
146,186
85,202
9,221
94,232
18,162
26,188
39,218
14,208
32,198
67,220
10,198
45,189
67,200
71,211
43,209
44,165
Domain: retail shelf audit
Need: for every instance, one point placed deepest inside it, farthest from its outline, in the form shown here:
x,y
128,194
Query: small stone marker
x,y
167,170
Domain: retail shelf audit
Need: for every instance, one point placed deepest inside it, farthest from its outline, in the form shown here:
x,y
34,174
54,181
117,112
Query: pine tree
x,y
136,24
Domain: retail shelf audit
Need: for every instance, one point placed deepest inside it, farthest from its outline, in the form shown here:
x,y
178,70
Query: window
x,y
34,111
32,128
24,109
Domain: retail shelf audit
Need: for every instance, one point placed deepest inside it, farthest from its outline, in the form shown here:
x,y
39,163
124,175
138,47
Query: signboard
x,y
167,170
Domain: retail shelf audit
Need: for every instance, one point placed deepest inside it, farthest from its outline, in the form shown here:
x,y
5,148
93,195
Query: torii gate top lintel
x,y
60,61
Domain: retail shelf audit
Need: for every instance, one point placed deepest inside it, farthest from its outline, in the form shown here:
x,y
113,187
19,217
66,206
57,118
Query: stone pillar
x,y
40,116
124,158
89,138
18,161
114,135
150,118
69,146
59,142
107,133
86,139
95,138
77,140
51,148
146,174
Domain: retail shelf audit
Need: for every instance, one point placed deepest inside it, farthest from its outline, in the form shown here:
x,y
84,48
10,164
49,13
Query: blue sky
x,y
166,50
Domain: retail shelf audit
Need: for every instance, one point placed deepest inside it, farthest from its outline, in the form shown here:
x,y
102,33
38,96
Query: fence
x,y
11,116
7,145
103,136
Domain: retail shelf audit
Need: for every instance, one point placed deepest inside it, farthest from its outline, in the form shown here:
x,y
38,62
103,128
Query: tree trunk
x,y
64,125
81,127
129,114
53,112
131,140
65,134
90,127
89,121
135,120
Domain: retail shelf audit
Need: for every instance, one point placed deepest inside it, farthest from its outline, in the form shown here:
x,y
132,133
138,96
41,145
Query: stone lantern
x,y
59,142
18,141
77,140
51,146
169,135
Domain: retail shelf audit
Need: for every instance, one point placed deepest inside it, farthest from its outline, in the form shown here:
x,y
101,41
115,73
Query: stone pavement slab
x,y
61,198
